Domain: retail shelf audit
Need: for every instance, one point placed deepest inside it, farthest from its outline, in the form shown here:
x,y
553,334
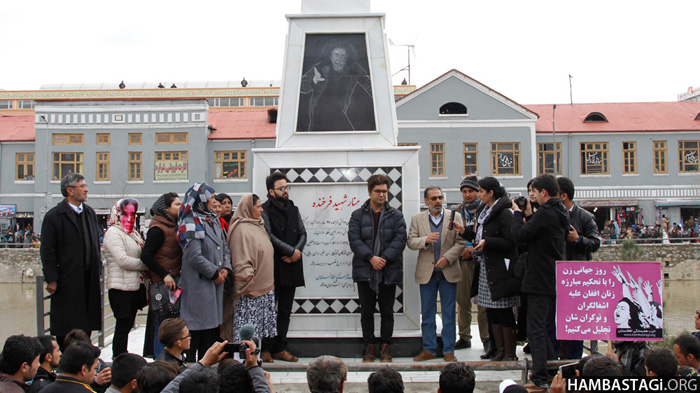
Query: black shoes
x,y
462,344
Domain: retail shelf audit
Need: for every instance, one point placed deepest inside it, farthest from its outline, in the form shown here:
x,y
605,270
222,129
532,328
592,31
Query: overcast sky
x,y
616,51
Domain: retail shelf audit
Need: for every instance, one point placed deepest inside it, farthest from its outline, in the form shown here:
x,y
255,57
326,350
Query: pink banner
x,y
609,301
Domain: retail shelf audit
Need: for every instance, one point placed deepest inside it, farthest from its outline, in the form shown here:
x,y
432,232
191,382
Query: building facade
x,y
630,162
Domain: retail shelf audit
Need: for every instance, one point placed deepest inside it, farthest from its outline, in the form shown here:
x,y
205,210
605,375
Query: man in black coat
x,y
70,256
581,242
545,233
377,237
288,236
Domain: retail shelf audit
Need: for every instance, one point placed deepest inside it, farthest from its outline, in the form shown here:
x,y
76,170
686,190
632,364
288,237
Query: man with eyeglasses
x,y
288,236
377,237
176,337
70,256
437,270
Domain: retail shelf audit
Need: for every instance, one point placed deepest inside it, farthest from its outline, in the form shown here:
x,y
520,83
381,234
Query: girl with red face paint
x,y
122,251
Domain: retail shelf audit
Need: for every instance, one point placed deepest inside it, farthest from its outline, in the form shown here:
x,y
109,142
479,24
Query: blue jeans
x,y
428,302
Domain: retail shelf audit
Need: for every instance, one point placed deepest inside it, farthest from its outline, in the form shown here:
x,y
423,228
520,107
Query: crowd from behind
x,y
30,364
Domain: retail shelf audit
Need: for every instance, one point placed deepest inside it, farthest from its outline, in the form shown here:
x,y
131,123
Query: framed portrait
x,y
336,86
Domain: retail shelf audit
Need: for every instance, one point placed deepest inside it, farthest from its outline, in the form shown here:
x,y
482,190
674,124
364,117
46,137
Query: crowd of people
x,y
211,274
36,364
652,234
20,237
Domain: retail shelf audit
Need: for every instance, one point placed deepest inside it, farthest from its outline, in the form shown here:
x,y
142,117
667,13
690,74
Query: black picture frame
x,y
336,85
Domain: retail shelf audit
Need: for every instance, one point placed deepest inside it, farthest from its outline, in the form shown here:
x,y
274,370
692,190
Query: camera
x,y
239,347
521,201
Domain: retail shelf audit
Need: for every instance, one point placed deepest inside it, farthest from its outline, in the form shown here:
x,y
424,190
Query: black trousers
x,y
201,341
284,295
125,305
368,305
538,310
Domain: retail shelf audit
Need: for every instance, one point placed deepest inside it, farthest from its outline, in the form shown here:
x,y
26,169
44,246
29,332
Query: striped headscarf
x,y
193,212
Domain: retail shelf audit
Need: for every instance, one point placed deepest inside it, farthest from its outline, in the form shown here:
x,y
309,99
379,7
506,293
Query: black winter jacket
x,y
392,237
499,245
588,240
287,233
545,234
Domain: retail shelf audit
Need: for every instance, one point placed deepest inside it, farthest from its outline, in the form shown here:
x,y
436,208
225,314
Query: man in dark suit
x,y
70,255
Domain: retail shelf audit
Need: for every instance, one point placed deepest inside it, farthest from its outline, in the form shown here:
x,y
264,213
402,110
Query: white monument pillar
x,y
336,127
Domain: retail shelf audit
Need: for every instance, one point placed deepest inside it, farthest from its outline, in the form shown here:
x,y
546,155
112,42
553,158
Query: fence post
x,y
101,339
39,280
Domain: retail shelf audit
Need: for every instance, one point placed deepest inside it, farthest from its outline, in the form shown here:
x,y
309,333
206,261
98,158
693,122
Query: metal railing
x,y
42,327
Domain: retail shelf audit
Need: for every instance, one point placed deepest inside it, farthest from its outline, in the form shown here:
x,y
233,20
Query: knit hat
x,y
471,182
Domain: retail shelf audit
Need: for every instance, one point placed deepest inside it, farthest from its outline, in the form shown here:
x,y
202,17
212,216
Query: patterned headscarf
x,y
116,222
193,212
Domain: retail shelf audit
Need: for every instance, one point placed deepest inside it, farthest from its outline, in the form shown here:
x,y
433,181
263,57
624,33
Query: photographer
x,y
214,355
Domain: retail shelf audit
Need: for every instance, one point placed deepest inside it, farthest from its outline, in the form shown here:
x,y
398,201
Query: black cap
x,y
471,182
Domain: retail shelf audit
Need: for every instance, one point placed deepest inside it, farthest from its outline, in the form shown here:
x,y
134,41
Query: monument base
x,y
406,343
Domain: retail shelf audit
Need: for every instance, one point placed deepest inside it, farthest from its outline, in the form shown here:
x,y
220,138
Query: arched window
x,y
595,117
453,108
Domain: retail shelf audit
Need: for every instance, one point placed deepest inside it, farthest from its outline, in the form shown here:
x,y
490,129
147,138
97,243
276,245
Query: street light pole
x,y
46,169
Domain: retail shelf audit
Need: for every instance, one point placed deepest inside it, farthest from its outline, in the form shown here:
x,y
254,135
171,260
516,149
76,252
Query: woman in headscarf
x,y
226,207
253,295
162,253
206,263
122,249
496,252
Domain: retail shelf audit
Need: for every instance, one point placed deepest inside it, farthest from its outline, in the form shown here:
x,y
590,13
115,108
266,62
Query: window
x,y
594,158
5,104
102,166
263,101
453,108
103,139
505,159
230,164
171,138
135,139
471,155
595,117
135,165
25,104
25,166
437,159
688,154
546,162
629,157
65,163
68,139
660,157
226,101
171,165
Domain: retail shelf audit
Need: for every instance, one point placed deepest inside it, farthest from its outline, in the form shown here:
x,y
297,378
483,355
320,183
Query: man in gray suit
x,y
437,269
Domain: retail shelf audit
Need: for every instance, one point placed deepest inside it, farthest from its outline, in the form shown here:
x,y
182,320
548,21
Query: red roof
x,y
241,125
16,128
622,117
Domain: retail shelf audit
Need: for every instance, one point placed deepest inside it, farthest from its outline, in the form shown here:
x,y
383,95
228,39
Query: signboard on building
x,y
8,211
609,301
171,170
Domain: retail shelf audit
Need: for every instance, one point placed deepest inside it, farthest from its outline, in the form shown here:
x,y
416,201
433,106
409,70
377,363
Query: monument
x,y
336,127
